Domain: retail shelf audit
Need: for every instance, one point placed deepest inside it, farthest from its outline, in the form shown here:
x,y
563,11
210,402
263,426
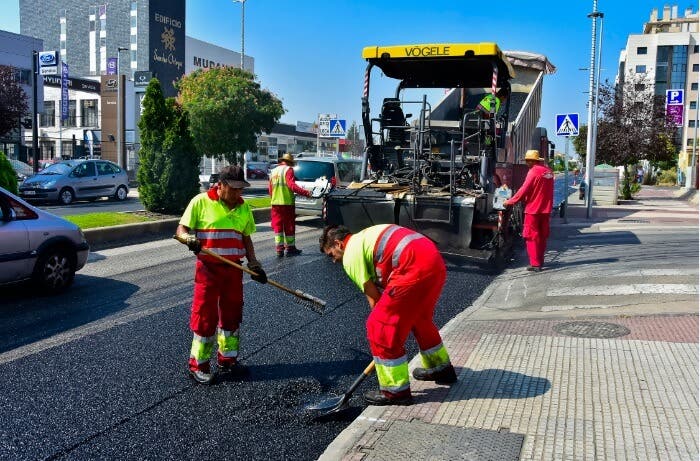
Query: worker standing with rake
x,y
222,222
402,274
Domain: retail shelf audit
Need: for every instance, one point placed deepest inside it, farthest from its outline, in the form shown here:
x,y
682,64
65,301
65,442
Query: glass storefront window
x,y
48,117
88,113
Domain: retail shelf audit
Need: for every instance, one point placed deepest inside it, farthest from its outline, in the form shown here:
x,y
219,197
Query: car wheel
x,y
66,196
54,270
121,194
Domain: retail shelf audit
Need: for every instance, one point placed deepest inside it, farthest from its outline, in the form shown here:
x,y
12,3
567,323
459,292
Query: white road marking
x,y
623,290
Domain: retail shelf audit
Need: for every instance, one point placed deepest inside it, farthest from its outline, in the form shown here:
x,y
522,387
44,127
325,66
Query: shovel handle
x,y
361,378
297,293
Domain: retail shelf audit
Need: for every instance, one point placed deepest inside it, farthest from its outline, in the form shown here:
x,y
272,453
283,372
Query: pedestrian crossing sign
x,y
567,124
337,128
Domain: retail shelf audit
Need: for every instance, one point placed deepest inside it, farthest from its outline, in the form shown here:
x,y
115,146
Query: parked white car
x,y
311,172
38,246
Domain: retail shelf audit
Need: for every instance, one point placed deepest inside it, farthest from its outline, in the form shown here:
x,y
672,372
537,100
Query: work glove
x,y
193,244
256,267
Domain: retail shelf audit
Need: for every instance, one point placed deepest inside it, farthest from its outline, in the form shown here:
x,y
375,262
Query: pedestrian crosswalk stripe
x,y
666,272
623,290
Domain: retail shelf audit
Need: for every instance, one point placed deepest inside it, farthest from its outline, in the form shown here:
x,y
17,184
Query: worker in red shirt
x,y
282,212
401,273
538,194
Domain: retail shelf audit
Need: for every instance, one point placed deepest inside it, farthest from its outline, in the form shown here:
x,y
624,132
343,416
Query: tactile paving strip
x,y
417,440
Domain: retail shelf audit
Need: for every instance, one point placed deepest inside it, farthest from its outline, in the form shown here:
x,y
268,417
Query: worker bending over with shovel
x,y
222,222
402,274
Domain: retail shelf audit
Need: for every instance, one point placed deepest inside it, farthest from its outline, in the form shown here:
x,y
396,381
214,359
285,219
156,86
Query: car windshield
x,y
349,171
310,171
58,168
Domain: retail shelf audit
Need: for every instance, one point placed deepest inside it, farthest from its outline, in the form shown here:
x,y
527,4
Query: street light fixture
x,y
121,161
242,2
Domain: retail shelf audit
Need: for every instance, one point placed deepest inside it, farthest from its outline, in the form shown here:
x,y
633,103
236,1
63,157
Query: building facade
x,y
151,34
666,55
16,52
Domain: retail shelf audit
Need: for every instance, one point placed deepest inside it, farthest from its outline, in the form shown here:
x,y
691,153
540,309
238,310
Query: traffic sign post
x,y
324,128
567,125
337,128
674,106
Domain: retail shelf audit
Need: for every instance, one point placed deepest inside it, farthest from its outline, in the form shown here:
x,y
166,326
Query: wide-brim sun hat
x,y
532,155
232,176
288,158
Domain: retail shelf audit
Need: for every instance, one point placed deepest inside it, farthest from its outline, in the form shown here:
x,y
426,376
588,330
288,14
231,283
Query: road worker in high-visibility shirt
x,y
282,188
492,103
222,222
402,274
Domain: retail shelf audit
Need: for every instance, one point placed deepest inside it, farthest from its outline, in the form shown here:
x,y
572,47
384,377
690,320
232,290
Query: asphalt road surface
x,y
99,372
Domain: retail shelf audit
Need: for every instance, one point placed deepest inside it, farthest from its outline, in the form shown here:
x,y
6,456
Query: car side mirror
x,y
7,215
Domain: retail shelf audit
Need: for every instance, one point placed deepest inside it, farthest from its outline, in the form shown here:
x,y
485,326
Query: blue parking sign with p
x,y
674,97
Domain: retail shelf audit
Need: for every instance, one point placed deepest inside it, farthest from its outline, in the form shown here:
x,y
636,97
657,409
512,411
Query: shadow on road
x,y
27,317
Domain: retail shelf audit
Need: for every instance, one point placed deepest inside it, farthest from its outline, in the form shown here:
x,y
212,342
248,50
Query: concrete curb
x,y
104,237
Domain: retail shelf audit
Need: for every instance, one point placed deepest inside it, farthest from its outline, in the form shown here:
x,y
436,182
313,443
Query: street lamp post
x,y
592,106
242,2
120,158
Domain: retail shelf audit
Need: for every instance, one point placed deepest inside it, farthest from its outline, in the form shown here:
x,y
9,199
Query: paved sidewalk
x,y
595,358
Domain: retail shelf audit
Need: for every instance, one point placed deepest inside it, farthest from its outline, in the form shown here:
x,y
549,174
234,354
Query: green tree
x,y
353,135
13,100
579,143
632,126
168,172
8,177
227,110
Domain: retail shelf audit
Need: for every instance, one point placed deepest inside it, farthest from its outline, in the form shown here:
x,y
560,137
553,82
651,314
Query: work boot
x,y
380,398
202,377
444,376
293,251
280,254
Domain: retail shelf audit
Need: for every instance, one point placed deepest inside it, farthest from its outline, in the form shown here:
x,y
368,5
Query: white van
x,y
308,172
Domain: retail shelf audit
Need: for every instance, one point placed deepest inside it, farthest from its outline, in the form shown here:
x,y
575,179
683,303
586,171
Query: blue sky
x,y
309,52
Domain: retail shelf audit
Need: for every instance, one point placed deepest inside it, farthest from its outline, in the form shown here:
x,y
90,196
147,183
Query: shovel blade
x,y
328,407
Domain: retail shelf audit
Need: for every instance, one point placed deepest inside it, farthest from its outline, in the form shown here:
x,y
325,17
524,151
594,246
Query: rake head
x,y
310,302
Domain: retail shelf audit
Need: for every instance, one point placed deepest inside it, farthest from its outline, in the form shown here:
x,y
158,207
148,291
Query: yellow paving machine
x,y
444,169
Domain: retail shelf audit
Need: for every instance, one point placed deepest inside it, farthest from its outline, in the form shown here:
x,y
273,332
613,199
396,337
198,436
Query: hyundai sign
x,y
48,62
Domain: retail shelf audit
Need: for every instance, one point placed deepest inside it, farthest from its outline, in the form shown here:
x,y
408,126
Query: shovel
x,y
333,405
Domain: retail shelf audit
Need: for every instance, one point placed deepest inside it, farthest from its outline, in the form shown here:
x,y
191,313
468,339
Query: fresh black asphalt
x,y
121,392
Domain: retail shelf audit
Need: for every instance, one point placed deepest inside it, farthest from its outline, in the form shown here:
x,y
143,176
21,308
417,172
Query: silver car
x,y
38,246
76,179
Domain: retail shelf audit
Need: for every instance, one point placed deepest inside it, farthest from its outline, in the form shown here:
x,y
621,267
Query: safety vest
x,y
217,227
375,252
281,193
486,103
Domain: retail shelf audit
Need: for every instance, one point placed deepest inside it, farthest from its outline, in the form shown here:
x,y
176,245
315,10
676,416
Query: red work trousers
x,y
218,298
409,308
535,233
282,219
